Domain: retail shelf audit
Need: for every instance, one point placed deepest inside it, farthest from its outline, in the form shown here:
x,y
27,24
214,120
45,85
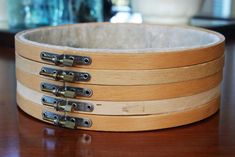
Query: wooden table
x,y
21,135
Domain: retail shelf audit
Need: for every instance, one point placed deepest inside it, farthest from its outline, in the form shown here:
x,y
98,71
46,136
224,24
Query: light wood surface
x,y
24,135
132,107
131,123
131,77
130,93
159,58
125,59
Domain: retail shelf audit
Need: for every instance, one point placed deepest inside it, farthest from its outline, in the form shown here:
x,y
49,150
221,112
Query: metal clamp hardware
x,y
67,92
66,60
67,106
68,76
66,121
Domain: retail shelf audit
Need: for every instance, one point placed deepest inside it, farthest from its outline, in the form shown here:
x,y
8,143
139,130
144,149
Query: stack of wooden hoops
x,y
119,77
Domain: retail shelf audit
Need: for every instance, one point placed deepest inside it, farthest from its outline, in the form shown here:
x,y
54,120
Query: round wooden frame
x,y
131,77
122,59
131,123
129,93
133,107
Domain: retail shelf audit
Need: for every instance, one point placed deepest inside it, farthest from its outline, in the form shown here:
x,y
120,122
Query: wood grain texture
x,y
23,135
106,60
130,93
131,123
132,107
131,77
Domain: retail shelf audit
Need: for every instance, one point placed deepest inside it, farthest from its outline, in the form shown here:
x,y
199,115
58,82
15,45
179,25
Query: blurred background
x,y
22,14
17,15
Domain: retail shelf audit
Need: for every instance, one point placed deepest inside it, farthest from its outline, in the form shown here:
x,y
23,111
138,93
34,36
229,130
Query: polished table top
x,y
21,135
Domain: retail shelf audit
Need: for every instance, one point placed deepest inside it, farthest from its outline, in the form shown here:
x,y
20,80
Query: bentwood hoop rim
x,y
20,37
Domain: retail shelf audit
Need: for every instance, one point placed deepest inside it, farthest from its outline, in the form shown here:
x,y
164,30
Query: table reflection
x,y
55,141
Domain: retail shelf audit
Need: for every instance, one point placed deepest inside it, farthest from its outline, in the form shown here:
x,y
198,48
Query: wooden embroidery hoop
x,y
138,59
150,64
132,123
132,107
135,77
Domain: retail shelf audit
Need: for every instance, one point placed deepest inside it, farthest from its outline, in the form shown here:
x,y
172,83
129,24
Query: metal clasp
x,y
67,92
67,76
66,121
65,60
67,106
